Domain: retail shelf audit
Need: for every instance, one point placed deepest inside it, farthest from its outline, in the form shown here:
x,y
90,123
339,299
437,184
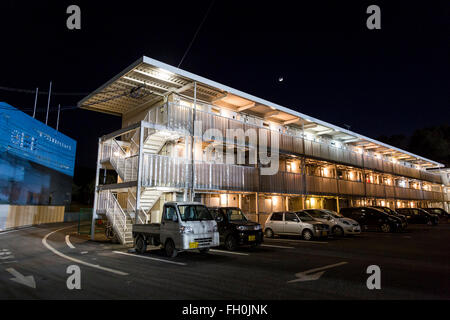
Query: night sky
x,y
380,82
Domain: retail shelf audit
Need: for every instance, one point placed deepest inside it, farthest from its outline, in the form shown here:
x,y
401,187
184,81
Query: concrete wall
x,y
13,216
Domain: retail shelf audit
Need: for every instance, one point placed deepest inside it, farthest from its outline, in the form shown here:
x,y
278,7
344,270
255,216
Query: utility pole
x,y
48,102
35,102
193,141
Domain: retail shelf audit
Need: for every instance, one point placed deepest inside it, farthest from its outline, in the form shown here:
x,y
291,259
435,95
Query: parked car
x,y
235,229
417,215
373,219
393,213
295,223
339,225
440,212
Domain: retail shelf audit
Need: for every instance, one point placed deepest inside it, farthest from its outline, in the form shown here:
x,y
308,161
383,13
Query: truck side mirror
x,y
219,219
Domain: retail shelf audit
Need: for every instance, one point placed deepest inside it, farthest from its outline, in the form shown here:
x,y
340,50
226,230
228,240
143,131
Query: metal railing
x,y
179,118
109,204
163,171
125,165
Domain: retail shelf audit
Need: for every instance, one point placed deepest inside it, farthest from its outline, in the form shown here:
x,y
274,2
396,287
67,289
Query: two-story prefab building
x,y
187,137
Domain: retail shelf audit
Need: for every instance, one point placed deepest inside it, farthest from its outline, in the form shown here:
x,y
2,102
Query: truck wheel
x,y
231,243
170,249
141,245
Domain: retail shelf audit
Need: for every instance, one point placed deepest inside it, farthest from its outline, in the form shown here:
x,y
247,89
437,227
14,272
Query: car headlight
x,y
187,229
241,228
258,227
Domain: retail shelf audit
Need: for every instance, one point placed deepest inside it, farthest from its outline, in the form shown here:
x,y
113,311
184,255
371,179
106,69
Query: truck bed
x,y
148,229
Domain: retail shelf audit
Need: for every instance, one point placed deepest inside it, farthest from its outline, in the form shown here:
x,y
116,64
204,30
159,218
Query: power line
x,y
20,90
196,32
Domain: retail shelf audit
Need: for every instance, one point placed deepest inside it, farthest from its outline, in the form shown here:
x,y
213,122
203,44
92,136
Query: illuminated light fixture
x,y
388,181
351,175
274,200
223,199
313,202
337,144
411,204
325,172
164,74
293,166
399,204
383,203
359,150
116,153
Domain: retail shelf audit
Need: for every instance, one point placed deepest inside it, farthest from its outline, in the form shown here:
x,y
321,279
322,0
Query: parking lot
x,y
414,265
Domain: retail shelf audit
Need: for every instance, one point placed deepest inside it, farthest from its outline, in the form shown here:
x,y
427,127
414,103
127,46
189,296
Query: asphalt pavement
x,y
415,264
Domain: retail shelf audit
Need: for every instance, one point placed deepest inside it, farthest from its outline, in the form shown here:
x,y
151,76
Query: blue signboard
x,y
30,139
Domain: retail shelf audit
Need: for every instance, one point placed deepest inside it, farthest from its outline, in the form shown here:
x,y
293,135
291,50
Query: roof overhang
x,y
147,81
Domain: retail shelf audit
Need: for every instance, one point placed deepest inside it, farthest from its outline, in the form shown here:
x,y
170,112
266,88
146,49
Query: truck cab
x,y
183,226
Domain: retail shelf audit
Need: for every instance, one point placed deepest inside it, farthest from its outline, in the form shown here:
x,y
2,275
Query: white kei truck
x,y
183,226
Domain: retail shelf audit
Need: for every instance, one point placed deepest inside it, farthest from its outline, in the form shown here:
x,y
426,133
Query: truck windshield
x,y
236,215
194,213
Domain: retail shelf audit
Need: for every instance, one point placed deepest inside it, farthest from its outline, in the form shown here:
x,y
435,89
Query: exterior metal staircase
x,y
119,219
125,163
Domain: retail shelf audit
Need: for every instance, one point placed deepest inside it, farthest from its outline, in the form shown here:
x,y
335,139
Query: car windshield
x,y
194,213
236,215
333,214
304,216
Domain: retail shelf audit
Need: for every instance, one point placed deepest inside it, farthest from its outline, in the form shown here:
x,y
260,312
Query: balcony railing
x,y
179,118
167,172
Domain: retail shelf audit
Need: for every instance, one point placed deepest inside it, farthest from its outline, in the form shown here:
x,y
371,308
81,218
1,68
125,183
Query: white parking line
x,y
229,252
71,246
273,246
301,241
150,258
62,255
6,232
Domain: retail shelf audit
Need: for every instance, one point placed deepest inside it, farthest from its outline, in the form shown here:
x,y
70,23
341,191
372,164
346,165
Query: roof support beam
x,y
221,97
291,121
324,132
247,106
184,88
271,114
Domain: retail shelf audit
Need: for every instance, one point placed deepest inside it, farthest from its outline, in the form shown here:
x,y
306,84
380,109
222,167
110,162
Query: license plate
x,y
251,238
193,245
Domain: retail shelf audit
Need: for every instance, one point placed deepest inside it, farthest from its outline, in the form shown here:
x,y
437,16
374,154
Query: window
x,y
194,213
304,216
289,216
235,215
277,216
169,213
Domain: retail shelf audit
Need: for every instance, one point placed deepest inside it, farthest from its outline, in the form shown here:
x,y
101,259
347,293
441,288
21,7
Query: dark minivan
x,y
439,211
417,215
235,229
394,213
373,219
